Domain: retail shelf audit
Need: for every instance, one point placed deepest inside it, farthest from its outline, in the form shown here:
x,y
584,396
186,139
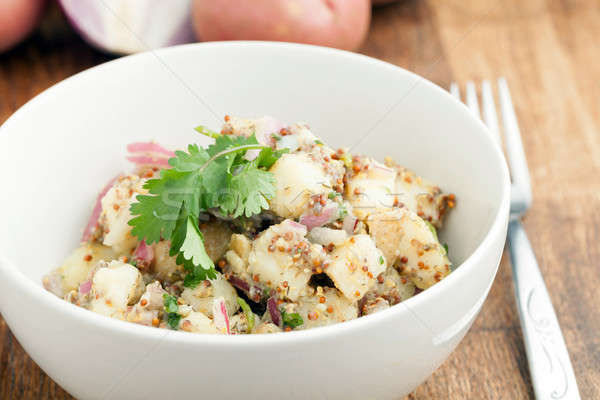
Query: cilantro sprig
x,y
218,178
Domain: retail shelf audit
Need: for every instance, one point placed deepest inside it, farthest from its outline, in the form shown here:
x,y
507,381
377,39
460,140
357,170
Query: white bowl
x,y
61,147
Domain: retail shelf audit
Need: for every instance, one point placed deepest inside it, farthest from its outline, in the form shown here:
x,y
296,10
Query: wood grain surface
x,y
550,53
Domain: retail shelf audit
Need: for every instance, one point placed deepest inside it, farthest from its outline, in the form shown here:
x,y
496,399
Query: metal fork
x,y
549,365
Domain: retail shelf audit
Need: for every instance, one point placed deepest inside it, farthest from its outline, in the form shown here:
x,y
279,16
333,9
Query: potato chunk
x,y
409,243
297,179
202,296
420,196
282,259
325,306
76,268
196,322
148,309
354,266
115,213
371,189
114,287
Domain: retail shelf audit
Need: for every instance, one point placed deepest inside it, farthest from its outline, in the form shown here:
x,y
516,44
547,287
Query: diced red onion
x,y
301,228
85,287
220,317
143,254
349,224
239,283
265,128
93,220
274,311
327,215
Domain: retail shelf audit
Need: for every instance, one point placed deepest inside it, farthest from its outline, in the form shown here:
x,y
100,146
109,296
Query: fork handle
x,y
549,365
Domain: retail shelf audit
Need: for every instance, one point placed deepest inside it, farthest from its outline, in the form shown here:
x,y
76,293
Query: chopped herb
x,y
171,308
434,231
218,177
134,263
276,137
173,320
381,260
342,211
267,292
292,320
333,195
247,312
319,142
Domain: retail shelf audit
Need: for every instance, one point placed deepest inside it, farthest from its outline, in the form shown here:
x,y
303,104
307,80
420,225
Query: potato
x,y
382,2
335,23
17,20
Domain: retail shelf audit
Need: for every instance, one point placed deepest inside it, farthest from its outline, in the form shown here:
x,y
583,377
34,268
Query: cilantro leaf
x,y
293,320
192,247
220,177
171,308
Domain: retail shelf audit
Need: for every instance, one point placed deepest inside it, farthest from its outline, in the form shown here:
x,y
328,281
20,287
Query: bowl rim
x,y
38,293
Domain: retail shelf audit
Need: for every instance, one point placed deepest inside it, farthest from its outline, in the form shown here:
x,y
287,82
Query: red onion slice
x,y
93,220
220,317
327,215
149,147
149,160
143,254
85,287
274,311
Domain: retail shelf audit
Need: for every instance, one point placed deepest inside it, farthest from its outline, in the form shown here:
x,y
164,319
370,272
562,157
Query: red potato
x,y
335,23
382,2
17,20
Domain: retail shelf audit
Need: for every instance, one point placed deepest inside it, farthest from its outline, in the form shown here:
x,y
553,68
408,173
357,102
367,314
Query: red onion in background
x,y
130,26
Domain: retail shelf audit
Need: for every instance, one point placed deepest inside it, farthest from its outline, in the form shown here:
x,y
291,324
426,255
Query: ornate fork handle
x,y
549,365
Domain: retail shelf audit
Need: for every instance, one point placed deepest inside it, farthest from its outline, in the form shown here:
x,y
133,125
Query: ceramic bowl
x,y
58,150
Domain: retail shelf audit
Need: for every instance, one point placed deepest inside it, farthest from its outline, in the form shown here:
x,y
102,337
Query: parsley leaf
x,y
171,308
292,320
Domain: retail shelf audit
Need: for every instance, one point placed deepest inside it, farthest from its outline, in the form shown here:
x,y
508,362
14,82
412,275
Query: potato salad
x,y
268,229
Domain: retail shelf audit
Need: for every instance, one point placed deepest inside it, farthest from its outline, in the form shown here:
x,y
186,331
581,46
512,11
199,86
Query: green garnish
x,y
134,263
292,320
434,231
381,260
216,178
276,137
171,308
342,211
247,312
207,132
333,195
318,142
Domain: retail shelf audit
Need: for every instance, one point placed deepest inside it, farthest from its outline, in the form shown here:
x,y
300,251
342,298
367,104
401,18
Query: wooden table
x,y
550,53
